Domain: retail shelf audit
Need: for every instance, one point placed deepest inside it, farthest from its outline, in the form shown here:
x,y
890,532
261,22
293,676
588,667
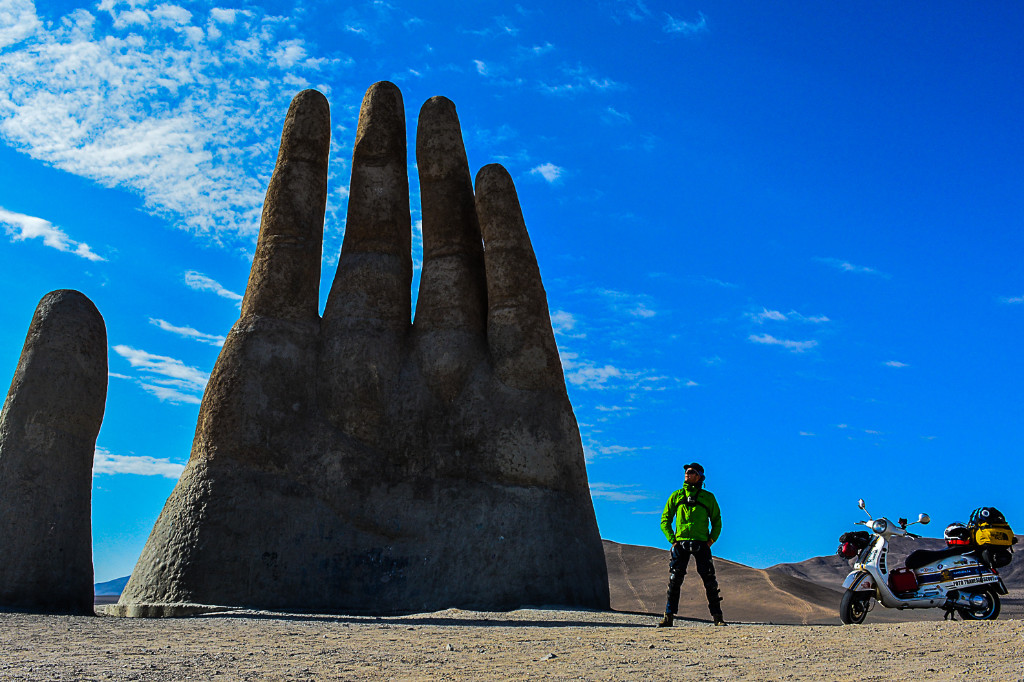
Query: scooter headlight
x,y
879,526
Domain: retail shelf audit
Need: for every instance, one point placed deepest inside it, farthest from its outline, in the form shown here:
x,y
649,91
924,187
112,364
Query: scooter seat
x,y
923,557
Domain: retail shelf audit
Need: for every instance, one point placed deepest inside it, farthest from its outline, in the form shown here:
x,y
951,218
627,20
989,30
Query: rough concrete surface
x,y
48,431
524,644
362,462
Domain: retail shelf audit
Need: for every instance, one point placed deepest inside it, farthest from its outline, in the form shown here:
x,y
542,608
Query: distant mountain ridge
x,y
111,588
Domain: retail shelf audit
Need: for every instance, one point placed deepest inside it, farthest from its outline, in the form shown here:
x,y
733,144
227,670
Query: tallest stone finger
x,y
285,276
451,311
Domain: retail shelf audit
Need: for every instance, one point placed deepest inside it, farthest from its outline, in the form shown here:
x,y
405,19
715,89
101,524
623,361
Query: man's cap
x,y
694,465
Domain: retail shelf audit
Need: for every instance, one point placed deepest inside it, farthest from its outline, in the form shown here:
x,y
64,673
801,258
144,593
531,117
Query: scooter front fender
x,y
859,581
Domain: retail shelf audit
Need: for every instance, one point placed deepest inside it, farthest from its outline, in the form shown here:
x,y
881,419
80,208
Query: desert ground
x,y
784,627
523,644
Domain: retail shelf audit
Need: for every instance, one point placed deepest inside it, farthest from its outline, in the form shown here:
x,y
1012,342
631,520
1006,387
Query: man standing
x,y
698,523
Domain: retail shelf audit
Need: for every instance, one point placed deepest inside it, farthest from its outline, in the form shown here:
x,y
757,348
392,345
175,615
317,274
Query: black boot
x,y
666,622
719,619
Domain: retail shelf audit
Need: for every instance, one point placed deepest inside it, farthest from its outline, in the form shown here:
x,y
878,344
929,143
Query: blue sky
x,y
782,239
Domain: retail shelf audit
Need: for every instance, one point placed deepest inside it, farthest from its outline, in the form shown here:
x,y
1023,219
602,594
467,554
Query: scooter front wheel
x,y
854,607
989,610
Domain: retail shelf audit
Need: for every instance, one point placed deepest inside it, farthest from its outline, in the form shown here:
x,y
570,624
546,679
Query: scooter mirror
x,y
860,503
924,518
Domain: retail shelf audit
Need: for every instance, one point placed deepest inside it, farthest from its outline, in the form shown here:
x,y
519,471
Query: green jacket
x,y
691,521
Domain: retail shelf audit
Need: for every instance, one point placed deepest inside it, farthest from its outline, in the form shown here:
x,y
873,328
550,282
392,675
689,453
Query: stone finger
x,y
285,276
451,309
368,312
48,431
519,335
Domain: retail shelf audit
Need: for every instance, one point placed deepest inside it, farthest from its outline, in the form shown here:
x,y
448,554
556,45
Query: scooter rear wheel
x,y
988,612
854,607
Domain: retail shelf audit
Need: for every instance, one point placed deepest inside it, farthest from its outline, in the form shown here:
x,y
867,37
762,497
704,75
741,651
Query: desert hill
x,y
638,577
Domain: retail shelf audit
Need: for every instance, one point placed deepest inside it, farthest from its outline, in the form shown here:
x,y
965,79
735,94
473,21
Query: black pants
x,y
681,552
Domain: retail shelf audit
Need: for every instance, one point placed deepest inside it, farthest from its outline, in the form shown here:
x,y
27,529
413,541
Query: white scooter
x,y
950,579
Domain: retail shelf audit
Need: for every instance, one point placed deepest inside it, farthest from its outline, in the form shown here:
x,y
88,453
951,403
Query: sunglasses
x,y
692,471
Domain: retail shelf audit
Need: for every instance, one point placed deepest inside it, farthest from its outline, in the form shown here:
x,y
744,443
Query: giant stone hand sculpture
x,y
48,431
363,463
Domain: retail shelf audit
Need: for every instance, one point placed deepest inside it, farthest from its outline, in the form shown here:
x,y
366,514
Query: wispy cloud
x,y
200,282
188,332
686,28
612,115
766,314
548,171
586,374
634,305
1012,299
105,462
168,379
847,266
21,227
538,50
617,493
703,279
895,363
792,316
794,346
79,93
563,322
580,79
481,67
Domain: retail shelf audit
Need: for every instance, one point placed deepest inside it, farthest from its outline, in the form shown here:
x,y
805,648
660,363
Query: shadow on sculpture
x,y
361,463
48,431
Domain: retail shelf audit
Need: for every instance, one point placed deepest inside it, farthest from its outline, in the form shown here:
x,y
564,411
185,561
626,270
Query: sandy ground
x,y
524,644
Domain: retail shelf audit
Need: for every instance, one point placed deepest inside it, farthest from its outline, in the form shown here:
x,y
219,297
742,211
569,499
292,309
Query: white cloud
x,y
703,279
766,314
289,53
614,408
792,315
581,80
18,20
617,493
846,266
1013,299
106,463
586,374
548,171
188,332
895,363
226,16
806,433
794,346
153,99
642,311
690,383
21,227
166,394
687,28
200,282
481,68
562,322
168,379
